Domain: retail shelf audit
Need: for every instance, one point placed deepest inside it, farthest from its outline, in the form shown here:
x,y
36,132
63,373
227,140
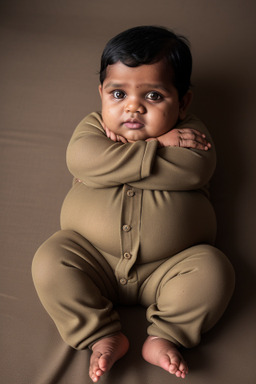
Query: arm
x,y
185,159
180,168
99,162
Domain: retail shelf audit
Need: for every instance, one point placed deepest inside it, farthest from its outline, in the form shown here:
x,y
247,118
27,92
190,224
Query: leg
x,y
186,296
77,288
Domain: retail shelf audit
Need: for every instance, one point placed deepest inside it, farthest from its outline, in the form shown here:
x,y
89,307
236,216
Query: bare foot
x,y
105,353
164,354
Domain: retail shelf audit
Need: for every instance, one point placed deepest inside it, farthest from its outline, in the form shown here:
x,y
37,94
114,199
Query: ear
x,y
100,90
184,104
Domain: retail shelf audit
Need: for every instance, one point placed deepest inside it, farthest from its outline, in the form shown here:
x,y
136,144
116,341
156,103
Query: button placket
x,y
129,236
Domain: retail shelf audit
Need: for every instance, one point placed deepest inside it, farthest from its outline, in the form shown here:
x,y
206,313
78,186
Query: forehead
x,y
157,73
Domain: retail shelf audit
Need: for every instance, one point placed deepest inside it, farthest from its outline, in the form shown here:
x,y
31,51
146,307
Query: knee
x,y
45,264
219,272
219,282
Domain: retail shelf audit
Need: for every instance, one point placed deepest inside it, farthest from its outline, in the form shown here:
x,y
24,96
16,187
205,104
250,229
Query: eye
x,y
117,94
154,96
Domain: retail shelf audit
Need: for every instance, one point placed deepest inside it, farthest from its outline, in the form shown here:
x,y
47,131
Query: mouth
x,y
133,124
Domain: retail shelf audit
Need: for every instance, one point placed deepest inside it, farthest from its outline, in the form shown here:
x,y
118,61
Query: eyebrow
x,y
148,85
114,85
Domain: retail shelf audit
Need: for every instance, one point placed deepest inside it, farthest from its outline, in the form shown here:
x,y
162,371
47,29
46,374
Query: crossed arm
x,y
177,137
163,163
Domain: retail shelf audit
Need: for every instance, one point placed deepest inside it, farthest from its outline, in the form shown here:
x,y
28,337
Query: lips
x,y
133,124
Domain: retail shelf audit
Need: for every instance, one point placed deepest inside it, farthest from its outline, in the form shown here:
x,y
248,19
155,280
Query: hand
x,y
114,137
185,138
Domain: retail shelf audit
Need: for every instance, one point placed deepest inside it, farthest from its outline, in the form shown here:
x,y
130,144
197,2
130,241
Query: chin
x,y
136,137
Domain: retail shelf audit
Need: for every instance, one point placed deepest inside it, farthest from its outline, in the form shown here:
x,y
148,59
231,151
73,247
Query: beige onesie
x,y
138,229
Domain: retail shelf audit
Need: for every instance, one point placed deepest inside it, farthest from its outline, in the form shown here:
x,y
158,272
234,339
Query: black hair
x,y
147,45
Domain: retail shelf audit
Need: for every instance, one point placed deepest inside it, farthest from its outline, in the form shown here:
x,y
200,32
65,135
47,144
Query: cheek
x,y
166,120
106,110
110,114
110,117
171,114
163,118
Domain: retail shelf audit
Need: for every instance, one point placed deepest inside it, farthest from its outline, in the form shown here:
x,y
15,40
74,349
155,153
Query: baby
x,y
137,226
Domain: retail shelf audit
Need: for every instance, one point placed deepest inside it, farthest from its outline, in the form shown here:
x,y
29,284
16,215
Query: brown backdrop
x,y
49,61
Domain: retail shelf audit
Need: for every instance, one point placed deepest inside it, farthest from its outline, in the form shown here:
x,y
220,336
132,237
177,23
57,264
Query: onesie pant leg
x,y
77,288
187,294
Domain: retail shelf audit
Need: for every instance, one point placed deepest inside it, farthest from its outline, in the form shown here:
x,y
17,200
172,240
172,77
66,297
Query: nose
x,y
134,106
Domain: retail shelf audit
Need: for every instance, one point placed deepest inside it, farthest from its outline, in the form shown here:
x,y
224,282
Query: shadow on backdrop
x,y
219,104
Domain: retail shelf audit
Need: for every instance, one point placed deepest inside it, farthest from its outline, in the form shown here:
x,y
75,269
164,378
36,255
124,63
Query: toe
x,y
95,376
175,363
183,368
166,364
178,374
173,368
94,370
105,362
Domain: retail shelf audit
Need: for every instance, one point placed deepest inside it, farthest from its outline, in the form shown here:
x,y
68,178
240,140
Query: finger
x,y
189,143
191,130
194,136
107,132
199,142
122,139
112,136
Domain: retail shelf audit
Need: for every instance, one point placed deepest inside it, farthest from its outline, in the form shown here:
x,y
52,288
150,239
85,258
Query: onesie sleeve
x,y
99,162
181,169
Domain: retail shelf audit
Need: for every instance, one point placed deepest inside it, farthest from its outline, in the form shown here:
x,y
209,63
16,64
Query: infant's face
x,y
141,102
